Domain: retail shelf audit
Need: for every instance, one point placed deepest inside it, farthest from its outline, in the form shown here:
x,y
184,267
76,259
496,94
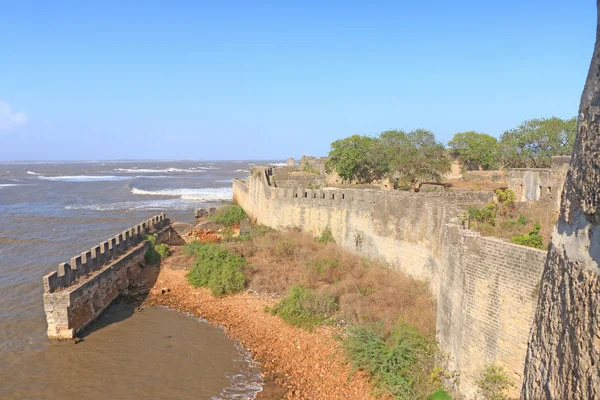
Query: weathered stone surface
x,y
564,348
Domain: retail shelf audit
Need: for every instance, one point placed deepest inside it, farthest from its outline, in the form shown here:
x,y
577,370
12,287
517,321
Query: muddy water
x,y
50,212
152,354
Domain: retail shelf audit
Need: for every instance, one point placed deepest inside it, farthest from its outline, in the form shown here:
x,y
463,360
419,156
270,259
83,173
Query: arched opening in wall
x,y
343,196
332,196
549,190
323,195
314,195
305,194
296,195
538,192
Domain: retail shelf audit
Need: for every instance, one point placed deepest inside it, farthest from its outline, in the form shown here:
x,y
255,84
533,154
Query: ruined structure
x,y
486,288
531,184
76,294
564,350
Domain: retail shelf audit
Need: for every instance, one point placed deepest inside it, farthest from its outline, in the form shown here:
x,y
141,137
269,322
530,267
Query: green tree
x,y
475,149
533,143
414,157
356,158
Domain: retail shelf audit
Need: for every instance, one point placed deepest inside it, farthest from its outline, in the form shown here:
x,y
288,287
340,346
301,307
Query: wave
x,y
152,171
85,178
32,173
242,170
177,204
9,185
279,164
205,194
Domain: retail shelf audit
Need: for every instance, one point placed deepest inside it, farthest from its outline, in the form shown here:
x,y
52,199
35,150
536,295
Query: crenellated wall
x,y
485,287
78,292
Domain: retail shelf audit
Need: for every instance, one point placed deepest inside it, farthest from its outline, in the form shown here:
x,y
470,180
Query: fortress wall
x,y
486,300
76,294
485,287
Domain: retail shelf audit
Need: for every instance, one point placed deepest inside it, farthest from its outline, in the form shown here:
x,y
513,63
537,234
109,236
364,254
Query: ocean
x,y
51,211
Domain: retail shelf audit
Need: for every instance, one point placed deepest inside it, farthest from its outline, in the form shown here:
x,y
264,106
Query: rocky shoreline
x,y
296,363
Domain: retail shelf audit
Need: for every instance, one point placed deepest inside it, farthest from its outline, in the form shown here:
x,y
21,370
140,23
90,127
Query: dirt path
x,y
296,363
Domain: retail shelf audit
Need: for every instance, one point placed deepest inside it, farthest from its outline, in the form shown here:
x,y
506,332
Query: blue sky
x,y
251,80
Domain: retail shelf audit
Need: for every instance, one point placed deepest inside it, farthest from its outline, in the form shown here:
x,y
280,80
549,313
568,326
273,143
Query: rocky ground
x,y
296,363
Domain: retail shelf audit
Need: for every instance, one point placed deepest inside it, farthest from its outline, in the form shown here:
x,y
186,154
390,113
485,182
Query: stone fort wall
x,y
80,290
486,288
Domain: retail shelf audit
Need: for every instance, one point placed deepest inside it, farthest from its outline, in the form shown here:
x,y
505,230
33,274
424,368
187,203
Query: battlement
x,y
94,259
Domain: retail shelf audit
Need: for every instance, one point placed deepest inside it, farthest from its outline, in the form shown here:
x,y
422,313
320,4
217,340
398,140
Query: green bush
x,y
531,239
229,215
402,364
485,214
304,308
493,383
326,236
192,248
156,252
162,250
217,268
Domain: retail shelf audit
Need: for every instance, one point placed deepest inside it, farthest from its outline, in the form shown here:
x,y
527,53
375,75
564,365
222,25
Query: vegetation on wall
x,y
156,252
531,239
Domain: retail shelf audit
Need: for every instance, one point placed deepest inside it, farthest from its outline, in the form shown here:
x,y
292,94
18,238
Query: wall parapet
x,y
94,259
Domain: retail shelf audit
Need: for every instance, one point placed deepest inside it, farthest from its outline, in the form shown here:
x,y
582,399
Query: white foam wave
x,y
9,185
279,164
205,194
178,204
32,173
242,170
153,171
85,178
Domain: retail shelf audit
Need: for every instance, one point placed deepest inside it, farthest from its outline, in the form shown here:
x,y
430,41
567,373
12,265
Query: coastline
x,y
295,363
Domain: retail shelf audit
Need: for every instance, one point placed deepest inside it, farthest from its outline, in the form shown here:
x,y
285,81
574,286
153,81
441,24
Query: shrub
x,y
326,236
304,308
192,248
531,239
402,364
494,382
162,250
506,201
156,252
229,215
218,269
485,214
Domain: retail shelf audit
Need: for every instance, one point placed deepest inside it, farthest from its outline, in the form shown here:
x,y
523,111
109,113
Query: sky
x,y
271,80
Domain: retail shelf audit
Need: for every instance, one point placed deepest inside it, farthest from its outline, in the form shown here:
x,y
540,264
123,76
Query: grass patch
x,y
305,308
216,268
229,215
404,363
326,236
156,252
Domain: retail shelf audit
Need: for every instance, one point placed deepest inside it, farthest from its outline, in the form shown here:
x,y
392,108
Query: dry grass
x,y
365,290
505,226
